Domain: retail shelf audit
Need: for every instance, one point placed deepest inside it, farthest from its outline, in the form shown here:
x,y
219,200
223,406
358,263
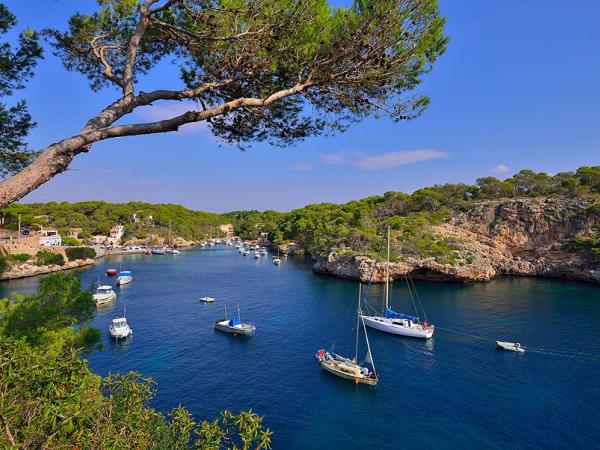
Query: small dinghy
x,y
207,299
234,325
510,346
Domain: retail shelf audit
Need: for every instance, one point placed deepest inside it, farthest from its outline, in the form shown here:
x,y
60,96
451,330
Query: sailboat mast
x,y
387,272
357,322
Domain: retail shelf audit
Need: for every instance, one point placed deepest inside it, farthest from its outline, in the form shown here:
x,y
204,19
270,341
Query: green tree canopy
x,y
254,70
16,67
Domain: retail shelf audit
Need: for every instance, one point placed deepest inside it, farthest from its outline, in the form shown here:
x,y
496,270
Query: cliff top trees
x,y
255,70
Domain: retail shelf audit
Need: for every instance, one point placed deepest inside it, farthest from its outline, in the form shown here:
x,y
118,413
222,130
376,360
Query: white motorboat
x,y
263,251
103,295
398,323
276,261
510,346
119,328
207,299
257,255
234,325
246,253
124,277
172,251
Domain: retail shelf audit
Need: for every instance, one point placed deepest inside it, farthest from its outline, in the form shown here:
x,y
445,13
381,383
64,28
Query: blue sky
x,y
517,88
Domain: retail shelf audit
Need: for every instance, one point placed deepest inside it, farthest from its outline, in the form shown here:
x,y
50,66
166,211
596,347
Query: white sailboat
x,y
398,323
349,368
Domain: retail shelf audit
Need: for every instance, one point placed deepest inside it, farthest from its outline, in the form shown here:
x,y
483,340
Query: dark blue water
x,y
451,391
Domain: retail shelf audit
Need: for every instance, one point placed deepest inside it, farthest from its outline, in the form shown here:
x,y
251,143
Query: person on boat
x,y
365,371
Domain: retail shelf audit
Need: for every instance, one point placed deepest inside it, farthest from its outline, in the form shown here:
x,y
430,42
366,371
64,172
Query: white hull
x,y
124,280
510,346
120,334
398,327
103,299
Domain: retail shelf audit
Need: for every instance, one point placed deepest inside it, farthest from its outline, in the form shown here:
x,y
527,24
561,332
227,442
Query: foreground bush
x,y
45,258
74,253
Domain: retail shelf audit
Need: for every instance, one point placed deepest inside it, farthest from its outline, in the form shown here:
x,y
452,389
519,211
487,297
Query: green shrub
x,y
22,257
71,241
45,258
74,253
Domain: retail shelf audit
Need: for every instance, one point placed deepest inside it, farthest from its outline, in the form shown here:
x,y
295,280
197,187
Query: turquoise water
x,y
451,391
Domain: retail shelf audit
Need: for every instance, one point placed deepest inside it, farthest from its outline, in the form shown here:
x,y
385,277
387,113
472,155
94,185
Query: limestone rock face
x,y
528,237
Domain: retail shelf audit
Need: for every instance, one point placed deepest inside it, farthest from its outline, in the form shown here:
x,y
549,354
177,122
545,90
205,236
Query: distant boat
x,y
111,272
119,328
257,255
158,251
246,253
125,277
393,322
347,368
104,295
263,251
173,251
234,325
207,299
510,346
276,259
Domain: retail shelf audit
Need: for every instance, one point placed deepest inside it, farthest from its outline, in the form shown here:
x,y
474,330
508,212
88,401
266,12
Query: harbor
x,y
296,313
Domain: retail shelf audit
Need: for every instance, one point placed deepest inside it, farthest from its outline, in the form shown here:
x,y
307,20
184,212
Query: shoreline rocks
x,y
30,270
525,237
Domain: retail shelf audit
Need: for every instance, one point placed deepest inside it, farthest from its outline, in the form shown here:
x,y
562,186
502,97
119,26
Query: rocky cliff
x,y
528,237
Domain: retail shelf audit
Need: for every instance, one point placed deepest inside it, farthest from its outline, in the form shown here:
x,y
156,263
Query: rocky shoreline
x,y
30,270
528,237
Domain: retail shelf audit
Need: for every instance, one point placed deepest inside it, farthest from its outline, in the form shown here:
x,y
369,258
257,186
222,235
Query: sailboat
x,y
349,368
277,261
393,322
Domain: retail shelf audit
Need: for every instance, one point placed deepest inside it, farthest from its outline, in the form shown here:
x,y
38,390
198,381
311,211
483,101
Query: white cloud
x,y
500,169
302,167
332,158
381,161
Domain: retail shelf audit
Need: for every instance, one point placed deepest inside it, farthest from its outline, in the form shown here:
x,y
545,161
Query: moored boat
x,y
103,295
234,325
396,323
111,272
125,277
347,368
207,299
119,328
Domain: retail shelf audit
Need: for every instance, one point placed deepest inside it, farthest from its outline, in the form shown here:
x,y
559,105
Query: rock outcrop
x,y
30,270
528,237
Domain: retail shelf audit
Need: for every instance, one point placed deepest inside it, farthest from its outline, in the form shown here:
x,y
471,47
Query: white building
x,y
50,237
116,233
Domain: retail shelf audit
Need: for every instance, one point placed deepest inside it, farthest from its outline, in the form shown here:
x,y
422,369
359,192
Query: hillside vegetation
x,y
97,218
358,225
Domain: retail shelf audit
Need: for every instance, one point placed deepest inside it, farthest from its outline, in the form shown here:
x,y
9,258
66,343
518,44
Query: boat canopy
x,y
234,321
104,288
125,273
391,314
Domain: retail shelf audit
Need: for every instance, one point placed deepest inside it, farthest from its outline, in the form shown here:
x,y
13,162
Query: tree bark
x,y
57,157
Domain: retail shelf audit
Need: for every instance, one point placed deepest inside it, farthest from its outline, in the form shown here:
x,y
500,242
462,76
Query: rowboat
x,y
510,346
